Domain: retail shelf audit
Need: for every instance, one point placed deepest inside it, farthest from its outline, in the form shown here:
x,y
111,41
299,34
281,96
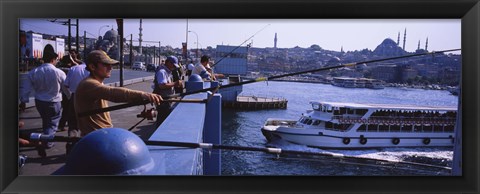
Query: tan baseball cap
x,y
99,56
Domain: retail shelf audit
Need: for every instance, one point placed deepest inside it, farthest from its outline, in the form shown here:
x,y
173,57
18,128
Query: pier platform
x,y
254,102
124,118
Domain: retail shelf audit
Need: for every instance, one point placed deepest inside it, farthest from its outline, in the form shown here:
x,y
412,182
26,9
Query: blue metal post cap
x,y
109,151
195,78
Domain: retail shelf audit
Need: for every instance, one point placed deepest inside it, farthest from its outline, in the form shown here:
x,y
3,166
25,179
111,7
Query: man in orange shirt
x,y
92,94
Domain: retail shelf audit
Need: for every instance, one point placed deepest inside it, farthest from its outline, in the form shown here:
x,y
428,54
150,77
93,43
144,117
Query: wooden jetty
x,y
254,102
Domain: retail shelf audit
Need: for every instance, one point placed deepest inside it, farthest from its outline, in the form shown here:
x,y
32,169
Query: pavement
x,y
124,118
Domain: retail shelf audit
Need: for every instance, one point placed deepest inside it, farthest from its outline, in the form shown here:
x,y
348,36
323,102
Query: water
x,y
242,128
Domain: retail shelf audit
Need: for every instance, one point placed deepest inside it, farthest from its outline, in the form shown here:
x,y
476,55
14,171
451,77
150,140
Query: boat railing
x,y
387,120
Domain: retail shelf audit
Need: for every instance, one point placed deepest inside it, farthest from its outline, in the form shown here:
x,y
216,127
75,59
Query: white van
x,y
139,66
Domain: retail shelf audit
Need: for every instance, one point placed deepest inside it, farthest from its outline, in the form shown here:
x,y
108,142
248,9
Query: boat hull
x,y
356,140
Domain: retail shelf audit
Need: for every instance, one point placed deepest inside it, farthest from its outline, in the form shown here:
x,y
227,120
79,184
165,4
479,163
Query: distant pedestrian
x,y
76,74
164,85
66,63
47,83
92,94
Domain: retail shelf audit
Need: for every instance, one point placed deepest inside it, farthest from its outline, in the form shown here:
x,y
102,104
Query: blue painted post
x,y
212,133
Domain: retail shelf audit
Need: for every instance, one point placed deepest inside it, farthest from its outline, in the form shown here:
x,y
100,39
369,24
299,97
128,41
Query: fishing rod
x,y
270,78
277,151
137,103
239,45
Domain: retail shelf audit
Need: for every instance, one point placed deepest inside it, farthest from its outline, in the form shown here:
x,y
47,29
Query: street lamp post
x,y
196,53
101,29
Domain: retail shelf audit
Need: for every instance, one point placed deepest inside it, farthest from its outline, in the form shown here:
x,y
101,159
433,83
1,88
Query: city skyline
x,y
330,34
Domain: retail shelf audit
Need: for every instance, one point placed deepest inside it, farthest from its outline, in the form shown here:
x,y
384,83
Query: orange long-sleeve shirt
x,y
91,95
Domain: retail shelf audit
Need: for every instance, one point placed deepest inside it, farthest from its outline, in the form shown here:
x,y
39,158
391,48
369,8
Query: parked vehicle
x,y
152,67
139,66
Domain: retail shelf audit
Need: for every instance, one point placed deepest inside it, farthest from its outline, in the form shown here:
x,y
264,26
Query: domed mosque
x,y
388,48
109,43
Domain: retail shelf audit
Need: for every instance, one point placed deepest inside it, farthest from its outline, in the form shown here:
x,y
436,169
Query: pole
x,y
120,32
131,50
76,39
84,45
69,35
186,44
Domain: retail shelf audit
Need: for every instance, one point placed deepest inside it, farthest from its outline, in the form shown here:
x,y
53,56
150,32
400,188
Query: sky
x,y
330,34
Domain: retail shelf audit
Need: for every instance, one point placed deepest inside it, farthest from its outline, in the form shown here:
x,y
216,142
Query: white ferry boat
x,y
352,125
348,82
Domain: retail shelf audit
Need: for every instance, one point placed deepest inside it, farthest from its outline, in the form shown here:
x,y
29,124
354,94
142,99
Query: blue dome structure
x,y
109,151
195,78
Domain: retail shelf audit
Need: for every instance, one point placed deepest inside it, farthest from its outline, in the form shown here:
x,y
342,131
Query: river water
x,y
242,128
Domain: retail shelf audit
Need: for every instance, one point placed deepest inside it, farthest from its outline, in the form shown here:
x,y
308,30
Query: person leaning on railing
x,y
92,94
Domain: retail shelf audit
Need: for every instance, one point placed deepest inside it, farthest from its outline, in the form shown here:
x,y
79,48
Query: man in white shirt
x,y
204,70
47,82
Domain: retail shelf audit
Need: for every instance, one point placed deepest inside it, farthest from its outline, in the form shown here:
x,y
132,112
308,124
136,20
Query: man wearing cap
x,y
92,94
47,83
164,85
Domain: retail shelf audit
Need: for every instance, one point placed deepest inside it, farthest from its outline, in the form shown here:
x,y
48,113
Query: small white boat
x,y
352,125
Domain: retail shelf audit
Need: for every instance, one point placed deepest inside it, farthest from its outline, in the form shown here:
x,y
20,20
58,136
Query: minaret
x,y
275,41
418,48
341,50
426,44
398,39
140,37
404,38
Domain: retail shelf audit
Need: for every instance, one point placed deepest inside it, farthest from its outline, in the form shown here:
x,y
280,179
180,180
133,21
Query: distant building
x,y
231,61
386,73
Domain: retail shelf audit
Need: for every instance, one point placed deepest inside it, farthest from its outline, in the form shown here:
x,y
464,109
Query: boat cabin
x,y
380,118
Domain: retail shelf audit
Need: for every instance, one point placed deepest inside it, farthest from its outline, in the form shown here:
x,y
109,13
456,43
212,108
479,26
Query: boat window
x,y
427,128
417,128
395,128
328,125
362,128
343,110
449,128
316,107
438,128
406,128
329,109
349,111
372,127
306,121
383,128
309,122
336,112
317,122
361,111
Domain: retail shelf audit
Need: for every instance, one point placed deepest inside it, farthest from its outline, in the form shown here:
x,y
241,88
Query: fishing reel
x,y
149,114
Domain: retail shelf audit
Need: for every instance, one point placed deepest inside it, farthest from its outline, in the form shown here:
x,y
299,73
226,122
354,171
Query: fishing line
x,y
225,56
278,151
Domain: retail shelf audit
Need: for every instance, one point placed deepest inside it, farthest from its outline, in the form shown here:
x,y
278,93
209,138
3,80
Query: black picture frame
x,y
467,10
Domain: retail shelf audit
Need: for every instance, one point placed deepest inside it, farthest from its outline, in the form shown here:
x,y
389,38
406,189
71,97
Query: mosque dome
x,y
388,48
111,35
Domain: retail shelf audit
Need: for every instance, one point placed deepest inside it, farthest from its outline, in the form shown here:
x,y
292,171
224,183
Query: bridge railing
x,y
190,122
